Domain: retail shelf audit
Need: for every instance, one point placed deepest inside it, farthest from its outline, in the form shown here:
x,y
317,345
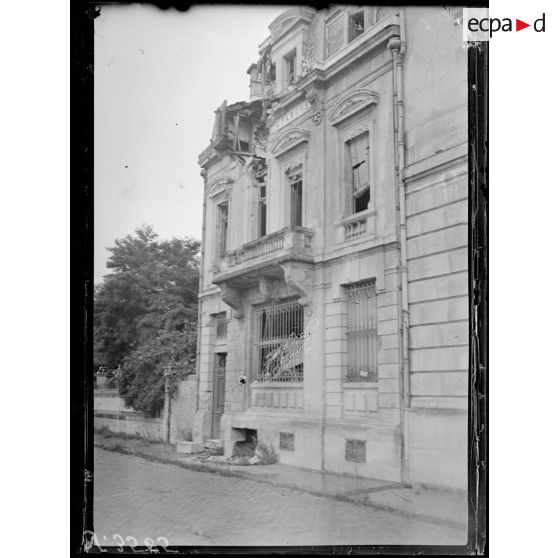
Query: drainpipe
x,y
168,421
402,32
200,286
394,45
324,206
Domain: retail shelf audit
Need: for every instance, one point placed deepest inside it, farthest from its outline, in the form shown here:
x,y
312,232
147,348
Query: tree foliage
x,y
145,314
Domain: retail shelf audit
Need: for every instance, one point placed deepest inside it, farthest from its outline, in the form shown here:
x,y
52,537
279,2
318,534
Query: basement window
x,y
286,441
355,450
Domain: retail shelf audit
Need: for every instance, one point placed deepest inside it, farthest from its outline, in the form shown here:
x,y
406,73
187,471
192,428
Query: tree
x,y
145,313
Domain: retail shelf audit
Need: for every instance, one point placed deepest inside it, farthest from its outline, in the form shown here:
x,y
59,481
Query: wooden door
x,y
218,393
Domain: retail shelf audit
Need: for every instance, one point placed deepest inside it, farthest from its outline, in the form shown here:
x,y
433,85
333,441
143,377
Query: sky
x,y
159,76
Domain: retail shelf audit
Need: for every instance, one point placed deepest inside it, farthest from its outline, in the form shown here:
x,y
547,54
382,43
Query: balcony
x,y
263,257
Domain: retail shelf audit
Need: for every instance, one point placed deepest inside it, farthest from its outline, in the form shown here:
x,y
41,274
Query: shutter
x,y
361,172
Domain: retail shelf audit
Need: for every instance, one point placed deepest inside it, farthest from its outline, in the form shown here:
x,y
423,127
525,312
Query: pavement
x,y
440,507
139,502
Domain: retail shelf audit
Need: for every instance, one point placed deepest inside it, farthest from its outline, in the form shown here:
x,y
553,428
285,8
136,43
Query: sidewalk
x,y
438,506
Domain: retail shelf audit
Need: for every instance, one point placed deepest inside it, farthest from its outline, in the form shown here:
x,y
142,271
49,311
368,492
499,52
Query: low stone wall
x,y
133,424
111,412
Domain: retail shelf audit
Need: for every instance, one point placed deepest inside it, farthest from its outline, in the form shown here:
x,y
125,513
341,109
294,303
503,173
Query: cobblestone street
x,y
138,498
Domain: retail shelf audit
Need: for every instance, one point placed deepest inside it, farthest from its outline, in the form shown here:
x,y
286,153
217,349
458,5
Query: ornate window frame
x,y
290,152
219,192
289,165
352,115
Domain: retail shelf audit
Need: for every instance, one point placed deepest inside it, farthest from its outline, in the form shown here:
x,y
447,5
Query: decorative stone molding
x,y
313,96
282,117
351,104
269,287
289,139
219,186
317,117
299,278
356,132
293,163
287,20
232,297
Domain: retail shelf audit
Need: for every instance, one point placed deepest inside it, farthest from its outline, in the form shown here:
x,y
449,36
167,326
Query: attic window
x,y
356,25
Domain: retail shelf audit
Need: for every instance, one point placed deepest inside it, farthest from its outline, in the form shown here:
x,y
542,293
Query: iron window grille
x,y
361,332
355,450
221,326
279,329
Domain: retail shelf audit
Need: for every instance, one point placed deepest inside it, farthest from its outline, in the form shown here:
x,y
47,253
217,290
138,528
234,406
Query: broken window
x,y
223,227
279,330
262,211
259,178
295,181
356,25
359,170
290,67
361,332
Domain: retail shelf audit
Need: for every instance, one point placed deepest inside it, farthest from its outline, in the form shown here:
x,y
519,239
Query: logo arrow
x,y
519,25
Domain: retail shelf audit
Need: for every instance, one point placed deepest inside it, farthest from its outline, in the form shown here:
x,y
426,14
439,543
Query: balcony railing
x,y
290,243
270,244
355,226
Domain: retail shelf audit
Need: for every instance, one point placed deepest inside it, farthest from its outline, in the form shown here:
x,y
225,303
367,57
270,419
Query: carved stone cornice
x,y
233,298
293,163
219,186
351,104
353,133
284,23
207,156
289,139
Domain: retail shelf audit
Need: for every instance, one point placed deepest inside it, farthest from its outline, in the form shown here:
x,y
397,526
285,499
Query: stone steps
x,y
213,444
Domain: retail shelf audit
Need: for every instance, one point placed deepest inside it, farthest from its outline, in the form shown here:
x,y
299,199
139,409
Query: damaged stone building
x,y
334,288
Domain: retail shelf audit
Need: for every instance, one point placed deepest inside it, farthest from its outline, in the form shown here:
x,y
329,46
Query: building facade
x,y
334,285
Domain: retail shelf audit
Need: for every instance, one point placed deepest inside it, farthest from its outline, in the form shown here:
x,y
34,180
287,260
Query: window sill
x,y
258,384
360,385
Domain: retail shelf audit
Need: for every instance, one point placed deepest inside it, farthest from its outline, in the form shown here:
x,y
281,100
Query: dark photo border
x,y
81,405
